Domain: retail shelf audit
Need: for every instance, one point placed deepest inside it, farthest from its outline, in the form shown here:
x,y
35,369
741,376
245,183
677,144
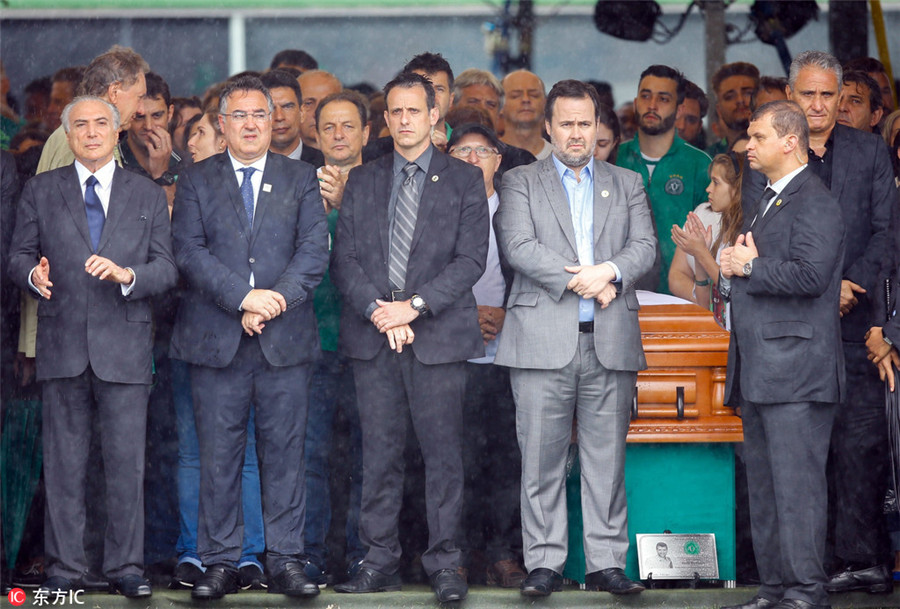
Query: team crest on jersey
x,y
675,186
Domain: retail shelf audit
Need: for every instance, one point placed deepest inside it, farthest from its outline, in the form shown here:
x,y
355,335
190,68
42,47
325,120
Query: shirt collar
x,y
424,160
104,175
561,168
259,164
785,180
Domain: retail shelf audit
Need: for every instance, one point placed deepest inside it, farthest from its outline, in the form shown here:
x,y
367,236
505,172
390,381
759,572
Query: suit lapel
x,y
383,178
557,199
118,200
840,162
228,182
603,193
781,201
429,196
74,198
271,179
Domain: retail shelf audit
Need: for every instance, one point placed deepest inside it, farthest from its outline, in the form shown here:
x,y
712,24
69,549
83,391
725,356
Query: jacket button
x,y
253,261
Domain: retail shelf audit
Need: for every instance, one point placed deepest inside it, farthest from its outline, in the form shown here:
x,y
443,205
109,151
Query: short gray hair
x,y
117,119
815,59
474,76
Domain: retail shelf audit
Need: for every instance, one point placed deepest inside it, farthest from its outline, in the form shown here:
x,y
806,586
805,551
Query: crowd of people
x,y
460,255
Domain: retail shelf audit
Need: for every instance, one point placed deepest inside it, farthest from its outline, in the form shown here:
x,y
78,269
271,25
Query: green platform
x,y
681,488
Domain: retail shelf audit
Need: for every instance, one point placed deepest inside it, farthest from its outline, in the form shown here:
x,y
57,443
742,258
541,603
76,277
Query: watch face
x,y
417,301
747,268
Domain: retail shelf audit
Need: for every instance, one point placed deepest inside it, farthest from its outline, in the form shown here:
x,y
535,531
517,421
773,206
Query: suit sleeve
x,y
203,271
518,239
159,273
307,266
25,248
639,253
816,247
470,250
346,269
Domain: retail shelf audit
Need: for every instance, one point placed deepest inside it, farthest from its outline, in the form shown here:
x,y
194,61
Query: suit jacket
x,y
216,251
537,235
88,321
862,182
786,336
446,258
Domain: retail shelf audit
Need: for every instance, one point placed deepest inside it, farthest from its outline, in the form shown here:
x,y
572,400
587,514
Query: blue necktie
x,y
94,209
247,193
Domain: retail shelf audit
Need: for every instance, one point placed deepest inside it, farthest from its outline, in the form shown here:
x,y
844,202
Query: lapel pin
x,y
434,178
778,203
267,188
604,193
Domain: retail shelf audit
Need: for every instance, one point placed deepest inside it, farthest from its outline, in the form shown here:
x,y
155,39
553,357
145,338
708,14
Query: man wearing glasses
x,y
251,241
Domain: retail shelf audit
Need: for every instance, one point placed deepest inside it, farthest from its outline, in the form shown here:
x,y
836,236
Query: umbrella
x,y
892,408
21,458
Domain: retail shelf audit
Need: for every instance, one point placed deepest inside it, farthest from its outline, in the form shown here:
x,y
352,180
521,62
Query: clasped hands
x,y
260,306
694,238
733,258
98,266
392,319
593,282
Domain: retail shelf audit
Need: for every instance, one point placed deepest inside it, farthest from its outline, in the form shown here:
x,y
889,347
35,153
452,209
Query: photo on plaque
x,y
674,556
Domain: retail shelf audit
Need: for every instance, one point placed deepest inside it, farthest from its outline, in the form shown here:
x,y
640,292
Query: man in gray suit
x,y
578,234
785,361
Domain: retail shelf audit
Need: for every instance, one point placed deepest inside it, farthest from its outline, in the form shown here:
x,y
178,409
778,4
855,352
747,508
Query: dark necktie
x,y
762,205
94,209
247,193
404,227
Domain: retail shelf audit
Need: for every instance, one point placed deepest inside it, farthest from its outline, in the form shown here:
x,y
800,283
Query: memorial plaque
x,y
677,556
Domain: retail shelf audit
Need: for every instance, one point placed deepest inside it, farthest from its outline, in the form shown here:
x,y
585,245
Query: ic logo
x,y
16,597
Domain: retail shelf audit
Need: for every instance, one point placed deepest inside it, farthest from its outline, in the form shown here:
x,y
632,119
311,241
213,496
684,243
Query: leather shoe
x,y
369,580
56,583
876,580
796,603
448,585
757,602
251,577
292,581
131,586
612,580
541,582
218,581
506,574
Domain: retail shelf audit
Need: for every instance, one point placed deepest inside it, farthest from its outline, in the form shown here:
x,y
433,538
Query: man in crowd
x,y
435,68
480,88
93,242
425,214
287,118
294,58
690,114
877,71
735,85
771,88
342,122
252,243
578,233
315,86
857,169
860,103
62,91
523,113
674,173
785,363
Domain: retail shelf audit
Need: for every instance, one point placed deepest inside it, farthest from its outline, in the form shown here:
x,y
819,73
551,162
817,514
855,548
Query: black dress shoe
x,y
185,576
612,580
876,580
251,577
218,581
56,583
541,582
292,581
448,585
796,603
131,586
757,602
369,580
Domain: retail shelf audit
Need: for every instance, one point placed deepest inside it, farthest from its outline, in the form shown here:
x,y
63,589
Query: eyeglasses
x,y
239,116
481,152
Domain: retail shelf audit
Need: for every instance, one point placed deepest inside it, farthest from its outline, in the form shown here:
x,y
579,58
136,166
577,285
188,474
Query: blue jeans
x,y
189,478
331,384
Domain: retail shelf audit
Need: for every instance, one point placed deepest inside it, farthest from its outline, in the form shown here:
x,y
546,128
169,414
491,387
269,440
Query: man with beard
x,y
674,172
578,234
735,85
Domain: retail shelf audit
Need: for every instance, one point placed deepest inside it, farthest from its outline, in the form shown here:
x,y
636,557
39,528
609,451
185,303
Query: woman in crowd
x,y
711,227
205,137
608,136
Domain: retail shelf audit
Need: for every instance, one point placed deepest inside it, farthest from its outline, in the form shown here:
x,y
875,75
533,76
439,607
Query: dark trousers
x,y
492,465
785,450
391,389
222,398
859,464
121,410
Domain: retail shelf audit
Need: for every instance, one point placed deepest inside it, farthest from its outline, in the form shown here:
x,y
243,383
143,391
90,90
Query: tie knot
x,y
247,171
91,181
410,170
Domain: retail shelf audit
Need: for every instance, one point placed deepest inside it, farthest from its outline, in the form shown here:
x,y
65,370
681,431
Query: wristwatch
x,y
748,268
166,179
418,303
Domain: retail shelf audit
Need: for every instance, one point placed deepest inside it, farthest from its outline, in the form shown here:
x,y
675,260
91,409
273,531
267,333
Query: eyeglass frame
x,y
240,116
475,149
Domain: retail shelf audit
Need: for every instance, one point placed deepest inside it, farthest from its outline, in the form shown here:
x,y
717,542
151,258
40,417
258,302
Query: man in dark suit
x,y
856,167
252,242
785,362
411,241
94,242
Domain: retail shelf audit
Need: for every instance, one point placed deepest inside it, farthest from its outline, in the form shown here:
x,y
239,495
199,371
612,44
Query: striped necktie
x,y
404,227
